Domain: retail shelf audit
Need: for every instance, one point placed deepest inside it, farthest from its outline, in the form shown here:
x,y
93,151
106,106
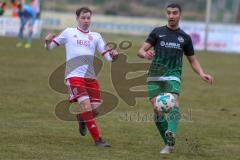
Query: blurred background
x,y
222,10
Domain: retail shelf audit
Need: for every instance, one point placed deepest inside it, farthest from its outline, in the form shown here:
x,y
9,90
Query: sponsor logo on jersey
x,y
90,37
162,43
170,45
83,43
160,36
180,39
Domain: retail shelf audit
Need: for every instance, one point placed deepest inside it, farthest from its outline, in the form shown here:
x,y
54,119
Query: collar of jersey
x,y
82,30
172,29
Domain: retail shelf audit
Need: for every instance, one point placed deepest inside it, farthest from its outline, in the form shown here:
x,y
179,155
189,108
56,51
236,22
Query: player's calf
x,y
170,138
82,127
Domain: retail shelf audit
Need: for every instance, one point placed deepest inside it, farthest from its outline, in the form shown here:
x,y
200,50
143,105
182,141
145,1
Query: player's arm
x,y
32,13
33,17
52,41
49,42
145,51
189,52
20,16
108,53
198,69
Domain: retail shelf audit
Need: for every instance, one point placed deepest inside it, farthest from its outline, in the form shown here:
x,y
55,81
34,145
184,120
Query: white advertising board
x,y
9,26
221,37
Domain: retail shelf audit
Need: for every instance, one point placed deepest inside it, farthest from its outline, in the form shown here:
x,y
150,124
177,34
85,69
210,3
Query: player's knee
x,y
95,107
157,112
85,105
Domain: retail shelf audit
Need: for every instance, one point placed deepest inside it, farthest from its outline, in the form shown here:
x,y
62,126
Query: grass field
x,y
29,128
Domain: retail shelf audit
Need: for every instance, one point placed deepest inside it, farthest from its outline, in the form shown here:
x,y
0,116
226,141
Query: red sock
x,y
90,122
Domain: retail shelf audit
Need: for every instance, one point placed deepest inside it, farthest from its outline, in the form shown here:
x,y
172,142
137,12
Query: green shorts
x,y
158,87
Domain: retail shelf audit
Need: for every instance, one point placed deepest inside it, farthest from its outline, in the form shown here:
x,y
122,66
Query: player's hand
x,y
206,77
114,54
149,55
49,37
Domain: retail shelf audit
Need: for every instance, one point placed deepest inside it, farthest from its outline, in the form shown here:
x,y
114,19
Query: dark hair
x,y
83,10
175,5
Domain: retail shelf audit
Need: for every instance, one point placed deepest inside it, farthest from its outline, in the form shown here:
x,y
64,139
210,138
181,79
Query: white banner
x,y
197,33
10,26
221,37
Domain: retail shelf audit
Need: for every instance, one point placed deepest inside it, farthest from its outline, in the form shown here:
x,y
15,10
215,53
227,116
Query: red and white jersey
x,y
80,49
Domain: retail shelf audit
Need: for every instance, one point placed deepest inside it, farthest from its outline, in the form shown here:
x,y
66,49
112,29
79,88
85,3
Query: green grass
x,y
29,128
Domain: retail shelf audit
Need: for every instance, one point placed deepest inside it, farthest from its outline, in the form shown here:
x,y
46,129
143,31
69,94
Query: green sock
x,y
162,125
173,119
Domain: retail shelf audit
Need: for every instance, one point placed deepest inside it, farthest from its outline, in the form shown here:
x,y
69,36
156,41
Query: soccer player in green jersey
x,y
170,43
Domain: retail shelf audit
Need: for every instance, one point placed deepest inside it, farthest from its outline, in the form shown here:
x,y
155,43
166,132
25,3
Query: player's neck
x,y
83,30
176,27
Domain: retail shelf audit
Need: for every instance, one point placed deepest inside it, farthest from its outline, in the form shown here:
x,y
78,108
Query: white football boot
x,y
167,150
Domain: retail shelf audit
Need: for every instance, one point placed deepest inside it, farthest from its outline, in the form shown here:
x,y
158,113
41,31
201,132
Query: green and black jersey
x,y
169,46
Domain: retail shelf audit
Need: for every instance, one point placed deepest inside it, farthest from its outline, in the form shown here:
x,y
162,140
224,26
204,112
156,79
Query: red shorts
x,y
82,89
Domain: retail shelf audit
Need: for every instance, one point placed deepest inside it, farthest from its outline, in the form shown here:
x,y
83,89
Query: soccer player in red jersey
x,y
81,45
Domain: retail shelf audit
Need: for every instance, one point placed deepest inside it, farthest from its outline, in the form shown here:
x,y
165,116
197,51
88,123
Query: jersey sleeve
x,y
101,45
152,37
61,38
188,47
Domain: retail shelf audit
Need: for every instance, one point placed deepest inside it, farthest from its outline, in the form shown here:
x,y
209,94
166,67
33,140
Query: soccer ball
x,y
165,102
